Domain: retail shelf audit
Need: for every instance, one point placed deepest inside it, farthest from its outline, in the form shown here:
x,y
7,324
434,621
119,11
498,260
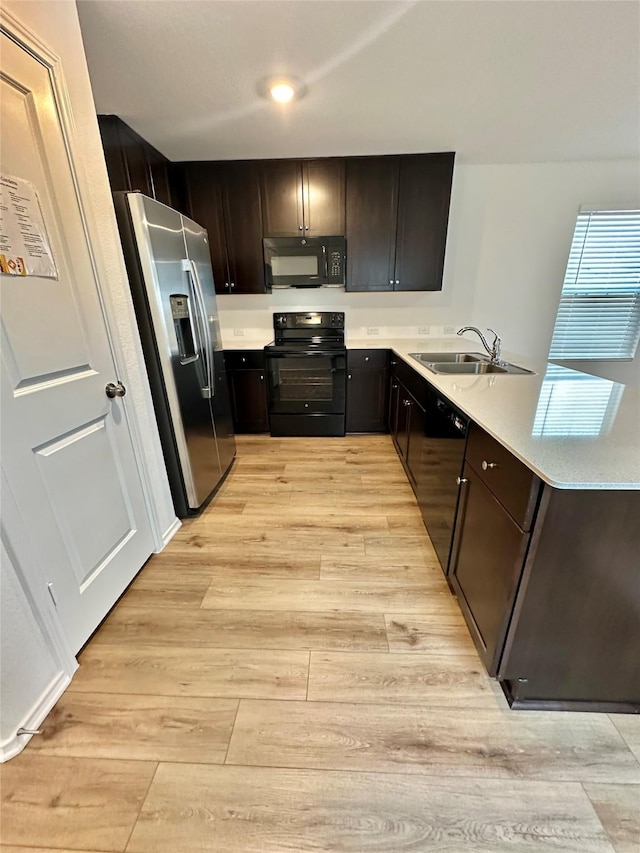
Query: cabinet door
x,y
371,215
415,435
423,214
394,405
366,400
249,400
109,126
402,429
323,197
243,226
487,560
281,187
159,177
204,202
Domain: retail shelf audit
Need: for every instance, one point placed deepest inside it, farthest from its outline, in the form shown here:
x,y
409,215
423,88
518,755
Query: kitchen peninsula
x,y
550,497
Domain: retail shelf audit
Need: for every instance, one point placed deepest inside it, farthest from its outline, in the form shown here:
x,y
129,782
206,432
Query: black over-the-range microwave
x,y
305,261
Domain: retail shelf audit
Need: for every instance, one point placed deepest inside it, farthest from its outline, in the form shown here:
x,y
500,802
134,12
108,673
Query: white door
x,y
66,447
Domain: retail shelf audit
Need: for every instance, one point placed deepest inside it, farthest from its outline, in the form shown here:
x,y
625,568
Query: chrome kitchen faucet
x,y
495,350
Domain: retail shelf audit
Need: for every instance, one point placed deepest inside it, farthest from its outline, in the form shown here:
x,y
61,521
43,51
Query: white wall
x,y
510,232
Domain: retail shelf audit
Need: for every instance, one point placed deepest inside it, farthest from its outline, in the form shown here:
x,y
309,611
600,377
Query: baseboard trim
x,y
169,533
16,743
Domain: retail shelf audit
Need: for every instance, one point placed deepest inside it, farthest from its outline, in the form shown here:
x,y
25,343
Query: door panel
x,y
90,546
243,227
486,566
423,215
371,213
281,186
206,208
67,449
323,194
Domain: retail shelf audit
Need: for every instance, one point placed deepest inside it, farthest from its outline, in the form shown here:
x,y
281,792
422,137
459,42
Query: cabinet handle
x,y
243,359
233,284
306,227
261,377
391,282
349,376
366,358
486,465
393,363
397,281
394,387
299,227
461,480
226,284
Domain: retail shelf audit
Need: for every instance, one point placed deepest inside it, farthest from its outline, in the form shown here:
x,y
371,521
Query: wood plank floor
x,y
293,674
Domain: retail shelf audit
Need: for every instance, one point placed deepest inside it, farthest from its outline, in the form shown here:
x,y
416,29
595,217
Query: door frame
x,y
120,324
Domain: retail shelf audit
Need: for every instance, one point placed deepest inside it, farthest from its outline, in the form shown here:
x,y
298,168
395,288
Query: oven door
x,y
305,383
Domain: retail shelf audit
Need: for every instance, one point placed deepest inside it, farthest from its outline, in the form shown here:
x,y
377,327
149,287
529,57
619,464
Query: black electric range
x,y
306,374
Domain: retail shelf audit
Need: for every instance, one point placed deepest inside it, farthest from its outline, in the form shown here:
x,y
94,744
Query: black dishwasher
x,y
445,438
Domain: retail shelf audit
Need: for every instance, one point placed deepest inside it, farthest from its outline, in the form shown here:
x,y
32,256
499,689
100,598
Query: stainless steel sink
x,y
464,363
477,367
441,357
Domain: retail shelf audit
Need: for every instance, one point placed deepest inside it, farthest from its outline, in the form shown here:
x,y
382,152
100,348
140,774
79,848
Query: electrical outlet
x,y
424,330
450,330
373,330
238,333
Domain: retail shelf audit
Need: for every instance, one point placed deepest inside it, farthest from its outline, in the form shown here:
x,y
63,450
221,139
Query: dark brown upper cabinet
x,y
397,217
132,163
224,197
303,197
372,213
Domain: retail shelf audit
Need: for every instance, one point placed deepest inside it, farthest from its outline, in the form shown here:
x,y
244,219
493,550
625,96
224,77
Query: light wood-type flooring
x,y
293,674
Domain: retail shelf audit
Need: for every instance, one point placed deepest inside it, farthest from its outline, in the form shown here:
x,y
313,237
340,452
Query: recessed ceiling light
x,y
283,90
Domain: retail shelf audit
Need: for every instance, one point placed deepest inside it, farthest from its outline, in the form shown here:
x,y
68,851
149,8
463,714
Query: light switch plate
x,y
424,330
450,330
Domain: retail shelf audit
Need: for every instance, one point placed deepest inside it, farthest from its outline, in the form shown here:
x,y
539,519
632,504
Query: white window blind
x,y
599,312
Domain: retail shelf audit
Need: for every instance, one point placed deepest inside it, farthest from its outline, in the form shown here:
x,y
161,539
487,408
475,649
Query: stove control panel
x,y
309,320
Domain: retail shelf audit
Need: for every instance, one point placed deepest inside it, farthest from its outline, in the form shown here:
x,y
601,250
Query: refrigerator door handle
x,y
201,322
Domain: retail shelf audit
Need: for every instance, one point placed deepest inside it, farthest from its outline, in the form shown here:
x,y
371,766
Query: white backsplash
x,y
398,315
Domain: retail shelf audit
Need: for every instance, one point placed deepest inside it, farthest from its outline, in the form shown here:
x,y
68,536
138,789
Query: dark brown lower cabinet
x,y
489,550
248,385
409,430
574,636
367,388
406,416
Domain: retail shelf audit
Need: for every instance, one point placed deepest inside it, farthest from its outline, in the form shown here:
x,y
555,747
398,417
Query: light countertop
x,y
574,430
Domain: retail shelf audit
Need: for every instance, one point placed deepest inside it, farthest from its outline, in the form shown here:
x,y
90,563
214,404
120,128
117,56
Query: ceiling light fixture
x,y
283,90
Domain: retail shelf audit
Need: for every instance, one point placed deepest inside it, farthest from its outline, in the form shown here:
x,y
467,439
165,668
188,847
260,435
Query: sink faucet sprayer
x,y
495,350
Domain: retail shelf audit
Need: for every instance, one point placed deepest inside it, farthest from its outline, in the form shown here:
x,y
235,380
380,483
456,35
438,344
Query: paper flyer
x,y
24,243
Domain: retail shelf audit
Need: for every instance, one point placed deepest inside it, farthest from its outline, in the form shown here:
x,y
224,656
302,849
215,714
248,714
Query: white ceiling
x,y
497,82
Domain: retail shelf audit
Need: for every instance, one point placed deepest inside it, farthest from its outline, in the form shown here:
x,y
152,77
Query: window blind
x,y
599,312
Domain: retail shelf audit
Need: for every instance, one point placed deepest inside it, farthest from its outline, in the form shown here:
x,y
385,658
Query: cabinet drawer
x,y
512,483
373,358
244,359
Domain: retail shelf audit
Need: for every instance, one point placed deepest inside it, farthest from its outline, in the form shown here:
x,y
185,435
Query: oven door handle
x,y
305,353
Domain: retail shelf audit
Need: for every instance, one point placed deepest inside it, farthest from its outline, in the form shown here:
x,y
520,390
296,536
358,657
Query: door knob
x,y
115,389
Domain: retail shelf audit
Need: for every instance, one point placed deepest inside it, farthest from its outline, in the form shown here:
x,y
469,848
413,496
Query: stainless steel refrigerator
x,y
169,266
